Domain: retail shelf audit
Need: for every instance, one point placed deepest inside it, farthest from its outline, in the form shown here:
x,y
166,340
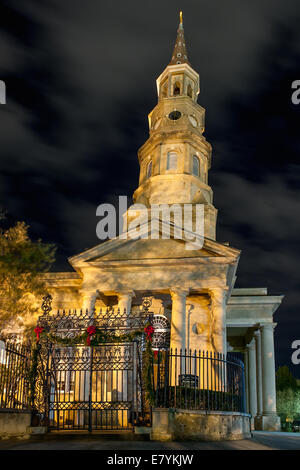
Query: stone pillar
x,y
246,368
178,335
82,380
218,309
122,378
125,300
88,300
178,319
269,420
257,337
252,381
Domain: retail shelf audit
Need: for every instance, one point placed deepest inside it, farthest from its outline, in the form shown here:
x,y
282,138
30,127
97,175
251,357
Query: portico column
x,y
178,318
257,337
252,380
88,305
125,300
269,421
121,378
246,361
89,300
218,307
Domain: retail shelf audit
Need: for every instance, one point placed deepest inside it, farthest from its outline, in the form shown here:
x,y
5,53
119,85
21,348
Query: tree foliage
x,y
285,379
288,404
21,287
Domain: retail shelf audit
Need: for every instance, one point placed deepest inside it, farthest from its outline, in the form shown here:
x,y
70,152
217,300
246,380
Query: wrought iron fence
x,y
15,360
198,380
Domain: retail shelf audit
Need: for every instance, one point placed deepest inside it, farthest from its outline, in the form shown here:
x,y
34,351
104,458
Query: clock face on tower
x,y
193,120
174,115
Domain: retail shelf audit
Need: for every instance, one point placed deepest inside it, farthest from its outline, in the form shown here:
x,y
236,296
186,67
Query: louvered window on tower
x,y
176,89
196,166
172,161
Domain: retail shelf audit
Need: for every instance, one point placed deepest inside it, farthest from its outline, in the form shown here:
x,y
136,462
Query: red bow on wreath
x,y
91,330
38,330
149,330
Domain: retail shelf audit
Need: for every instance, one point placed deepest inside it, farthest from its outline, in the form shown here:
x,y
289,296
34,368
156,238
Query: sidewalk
x,y
260,441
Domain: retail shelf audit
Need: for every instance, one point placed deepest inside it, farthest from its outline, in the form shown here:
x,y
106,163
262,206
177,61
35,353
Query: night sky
x,y
80,80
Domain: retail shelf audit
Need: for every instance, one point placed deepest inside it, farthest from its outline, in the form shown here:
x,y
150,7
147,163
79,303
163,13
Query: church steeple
x,y
176,158
180,53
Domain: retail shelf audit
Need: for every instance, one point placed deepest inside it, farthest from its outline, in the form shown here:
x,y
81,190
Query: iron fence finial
x,y
46,304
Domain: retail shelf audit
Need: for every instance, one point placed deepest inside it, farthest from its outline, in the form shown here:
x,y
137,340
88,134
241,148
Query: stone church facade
x,y
194,301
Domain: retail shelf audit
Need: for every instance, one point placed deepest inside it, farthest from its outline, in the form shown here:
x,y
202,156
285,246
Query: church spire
x,y
175,159
179,54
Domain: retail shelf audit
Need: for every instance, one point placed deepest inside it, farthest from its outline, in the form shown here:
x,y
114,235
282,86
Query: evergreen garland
x,y
32,374
147,372
99,337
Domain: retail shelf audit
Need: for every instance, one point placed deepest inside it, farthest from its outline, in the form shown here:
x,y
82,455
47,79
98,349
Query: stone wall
x,y
14,424
176,424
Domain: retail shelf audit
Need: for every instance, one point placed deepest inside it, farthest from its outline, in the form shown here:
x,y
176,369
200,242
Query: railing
x,y
195,380
15,360
198,380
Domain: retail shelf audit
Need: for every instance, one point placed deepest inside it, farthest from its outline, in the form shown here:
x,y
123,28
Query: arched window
x,y
196,166
161,336
172,161
176,89
190,91
149,170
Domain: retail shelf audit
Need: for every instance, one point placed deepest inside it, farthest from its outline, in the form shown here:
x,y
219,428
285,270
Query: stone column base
x,y
267,423
160,425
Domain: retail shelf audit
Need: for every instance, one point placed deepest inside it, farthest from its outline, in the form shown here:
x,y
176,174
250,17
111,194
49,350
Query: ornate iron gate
x,y
94,388
90,387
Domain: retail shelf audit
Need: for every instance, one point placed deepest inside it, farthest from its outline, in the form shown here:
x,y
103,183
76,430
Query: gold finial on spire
x,y
179,53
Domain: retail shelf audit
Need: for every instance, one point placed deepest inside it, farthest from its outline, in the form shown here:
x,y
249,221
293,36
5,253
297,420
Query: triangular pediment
x,y
125,248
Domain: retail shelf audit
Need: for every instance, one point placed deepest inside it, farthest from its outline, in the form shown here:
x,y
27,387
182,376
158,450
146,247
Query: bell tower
x,y
175,160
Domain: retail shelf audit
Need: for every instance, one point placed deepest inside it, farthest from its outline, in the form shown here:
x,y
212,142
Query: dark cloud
x,y
80,82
